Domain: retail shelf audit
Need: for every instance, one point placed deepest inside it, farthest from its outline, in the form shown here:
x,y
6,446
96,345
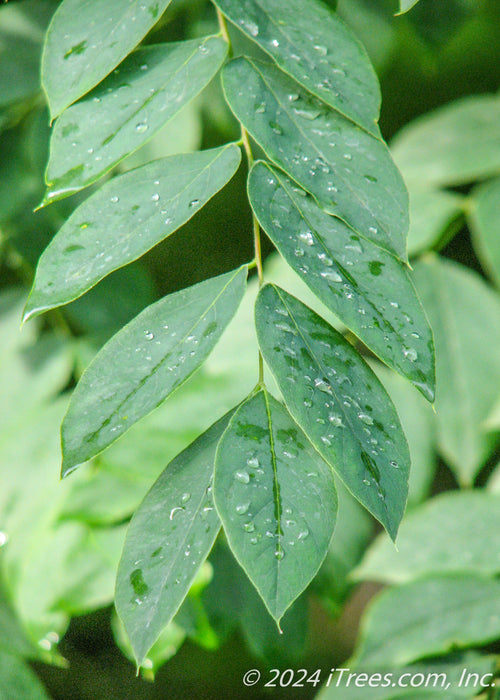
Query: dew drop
x,y
155,197
253,462
185,497
365,418
242,508
141,127
331,275
174,512
279,554
307,237
322,50
366,482
410,354
149,335
325,259
249,527
194,203
242,476
303,534
114,199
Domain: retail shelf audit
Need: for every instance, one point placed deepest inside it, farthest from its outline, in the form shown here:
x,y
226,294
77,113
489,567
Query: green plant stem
x,y
245,142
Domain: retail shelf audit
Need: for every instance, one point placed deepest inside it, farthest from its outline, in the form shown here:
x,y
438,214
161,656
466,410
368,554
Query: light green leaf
x,y
338,402
484,219
462,309
276,499
86,41
18,681
169,537
453,145
440,675
367,288
454,532
147,360
432,212
124,112
125,218
348,171
429,617
405,5
329,61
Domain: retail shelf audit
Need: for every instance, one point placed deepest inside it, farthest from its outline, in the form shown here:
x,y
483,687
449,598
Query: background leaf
x,y
340,268
348,171
170,536
138,98
124,219
78,55
484,219
337,401
143,363
276,499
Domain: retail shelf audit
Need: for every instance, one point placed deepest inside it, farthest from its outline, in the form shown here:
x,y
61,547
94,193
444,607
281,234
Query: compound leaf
x,y
338,401
125,218
145,361
276,498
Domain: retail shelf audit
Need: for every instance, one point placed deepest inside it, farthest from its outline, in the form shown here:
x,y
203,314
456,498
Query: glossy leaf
x,y
454,532
442,674
276,499
168,539
484,218
338,401
462,309
329,61
124,219
453,145
86,41
459,612
405,5
145,361
138,98
348,171
369,290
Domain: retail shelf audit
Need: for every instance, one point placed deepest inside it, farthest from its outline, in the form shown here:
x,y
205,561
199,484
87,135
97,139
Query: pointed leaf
x,y
330,62
150,88
462,309
457,531
338,401
85,41
429,617
348,171
484,217
145,361
405,5
369,290
276,499
125,218
169,538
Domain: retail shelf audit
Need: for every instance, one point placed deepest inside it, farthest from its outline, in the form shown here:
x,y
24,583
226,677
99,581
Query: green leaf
x,y
338,401
462,309
276,499
330,62
147,360
367,288
18,681
428,617
405,5
124,112
432,213
484,219
454,532
348,171
453,145
125,218
168,539
86,41
440,675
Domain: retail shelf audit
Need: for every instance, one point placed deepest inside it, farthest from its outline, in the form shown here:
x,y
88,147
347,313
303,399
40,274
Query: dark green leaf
x,y
484,217
168,539
143,363
276,499
153,84
349,171
338,401
462,309
369,290
453,145
86,41
18,681
429,617
454,532
329,61
124,219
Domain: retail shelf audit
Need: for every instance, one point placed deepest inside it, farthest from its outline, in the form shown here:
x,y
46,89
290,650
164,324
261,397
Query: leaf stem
x,y
245,142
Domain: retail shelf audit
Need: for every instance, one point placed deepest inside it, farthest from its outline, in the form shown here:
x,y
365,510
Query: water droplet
x,y
251,28
394,304
307,237
185,497
249,527
144,66
394,464
276,128
322,385
326,441
174,511
261,108
293,97
275,43
3,538
303,534
410,354
194,203
149,335
299,252
242,508
365,418
155,197
325,259
187,551
114,199
253,462
322,50
366,482
203,49
331,275
335,420
279,554
309,114
242,476
372,230
141,127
